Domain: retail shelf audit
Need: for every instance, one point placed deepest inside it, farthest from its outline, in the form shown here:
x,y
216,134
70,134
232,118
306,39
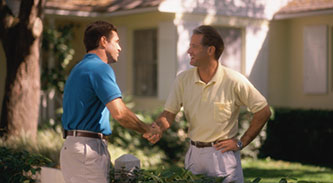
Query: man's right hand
x,y
154,134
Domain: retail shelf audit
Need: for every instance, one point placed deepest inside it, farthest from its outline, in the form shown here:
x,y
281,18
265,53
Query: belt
x,y
203,144
77,133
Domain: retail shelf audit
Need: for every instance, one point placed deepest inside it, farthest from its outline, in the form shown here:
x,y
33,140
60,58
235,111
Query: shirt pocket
x,y
222,111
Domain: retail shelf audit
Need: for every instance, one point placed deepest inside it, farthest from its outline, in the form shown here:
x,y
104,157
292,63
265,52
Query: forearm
x,y
165,120
126,117
257,123
131,121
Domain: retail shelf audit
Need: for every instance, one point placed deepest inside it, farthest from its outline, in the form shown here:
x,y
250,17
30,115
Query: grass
x,y
273,170
270,171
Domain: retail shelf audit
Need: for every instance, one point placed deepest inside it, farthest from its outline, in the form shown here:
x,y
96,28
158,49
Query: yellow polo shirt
x,y
212,109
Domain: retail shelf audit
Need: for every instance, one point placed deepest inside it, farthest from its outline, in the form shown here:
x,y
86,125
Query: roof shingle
x,y
298,6
101,5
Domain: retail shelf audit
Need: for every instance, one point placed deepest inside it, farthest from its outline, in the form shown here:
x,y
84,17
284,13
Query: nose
x,y
189,50
119,48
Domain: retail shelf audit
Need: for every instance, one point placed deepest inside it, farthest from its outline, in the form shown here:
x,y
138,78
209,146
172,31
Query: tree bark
x,y
20,38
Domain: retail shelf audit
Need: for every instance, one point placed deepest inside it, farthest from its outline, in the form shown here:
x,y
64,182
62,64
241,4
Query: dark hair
x,y
211,38
95,31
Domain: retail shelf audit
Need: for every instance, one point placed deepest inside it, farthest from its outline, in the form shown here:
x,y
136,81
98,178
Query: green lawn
x,y
271,171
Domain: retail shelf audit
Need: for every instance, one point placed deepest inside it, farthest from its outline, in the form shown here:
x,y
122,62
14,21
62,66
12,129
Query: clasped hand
x,y
154,134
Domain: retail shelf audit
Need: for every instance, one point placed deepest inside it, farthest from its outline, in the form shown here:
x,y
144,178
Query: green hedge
x,y
20,165
300,135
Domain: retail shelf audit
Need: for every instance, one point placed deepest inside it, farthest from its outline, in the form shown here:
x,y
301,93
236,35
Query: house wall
x,y
286,64
259,9
166,54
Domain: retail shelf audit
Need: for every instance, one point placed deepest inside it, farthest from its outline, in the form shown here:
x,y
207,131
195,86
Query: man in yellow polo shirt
x,y
211,96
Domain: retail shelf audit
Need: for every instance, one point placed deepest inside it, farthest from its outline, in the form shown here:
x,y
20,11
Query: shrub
x,y
166,175
252,150
48,143
20,166
300,135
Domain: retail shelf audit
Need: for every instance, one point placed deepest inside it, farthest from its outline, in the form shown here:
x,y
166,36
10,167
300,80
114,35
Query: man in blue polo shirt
x,y
91,94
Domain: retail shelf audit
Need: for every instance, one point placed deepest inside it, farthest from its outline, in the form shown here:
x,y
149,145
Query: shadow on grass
x,y
252,173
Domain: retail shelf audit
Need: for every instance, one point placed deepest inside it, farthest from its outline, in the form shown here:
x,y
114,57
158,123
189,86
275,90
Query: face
x,y
113,48
197,51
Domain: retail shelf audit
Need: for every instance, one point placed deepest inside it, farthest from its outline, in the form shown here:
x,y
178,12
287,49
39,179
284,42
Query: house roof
x,y
300,6
294,8
107,6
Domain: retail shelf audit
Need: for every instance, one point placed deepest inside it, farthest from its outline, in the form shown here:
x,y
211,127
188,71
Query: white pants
x,y
85,160
214,163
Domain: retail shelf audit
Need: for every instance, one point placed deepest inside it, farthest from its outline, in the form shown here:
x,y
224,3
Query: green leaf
x,y
283,180
256,180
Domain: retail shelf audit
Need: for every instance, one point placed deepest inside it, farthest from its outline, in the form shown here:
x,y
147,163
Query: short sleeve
x,y
175,99
105,85
249,96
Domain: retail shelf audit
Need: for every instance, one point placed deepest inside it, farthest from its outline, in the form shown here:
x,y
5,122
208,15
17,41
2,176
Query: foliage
x,y
56,45
20,166
166,175
174,141
252,150
302,136
48,144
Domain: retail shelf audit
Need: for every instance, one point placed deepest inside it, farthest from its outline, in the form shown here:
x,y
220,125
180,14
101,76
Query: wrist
x,y
239,144
161,126
146,128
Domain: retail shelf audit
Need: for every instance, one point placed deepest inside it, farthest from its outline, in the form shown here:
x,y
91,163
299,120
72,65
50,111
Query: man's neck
x,y
207,72
100,53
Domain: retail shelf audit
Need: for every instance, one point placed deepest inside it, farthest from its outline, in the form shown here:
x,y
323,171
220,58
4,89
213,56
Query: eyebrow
x,y
194,44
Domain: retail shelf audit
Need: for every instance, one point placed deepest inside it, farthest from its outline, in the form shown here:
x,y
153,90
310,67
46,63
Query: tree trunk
x,y
20,38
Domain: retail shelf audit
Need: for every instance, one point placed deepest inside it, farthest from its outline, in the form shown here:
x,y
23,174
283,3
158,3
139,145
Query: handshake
x,y
153,133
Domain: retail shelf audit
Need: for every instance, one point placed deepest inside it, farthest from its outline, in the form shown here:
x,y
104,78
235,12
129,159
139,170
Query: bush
x,y
300,135
252,150
20,166
165,175
48,143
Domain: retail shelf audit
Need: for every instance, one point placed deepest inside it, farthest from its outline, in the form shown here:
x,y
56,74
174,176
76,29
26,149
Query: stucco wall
x,y
286,64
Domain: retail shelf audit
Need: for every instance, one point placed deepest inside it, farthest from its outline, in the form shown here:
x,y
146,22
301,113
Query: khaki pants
x,y
214,163
85,160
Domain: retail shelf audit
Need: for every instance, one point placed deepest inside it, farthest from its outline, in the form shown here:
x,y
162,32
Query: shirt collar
x,y
216,78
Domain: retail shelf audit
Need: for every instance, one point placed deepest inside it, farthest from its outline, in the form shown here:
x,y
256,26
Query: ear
x,y
211,50
103,41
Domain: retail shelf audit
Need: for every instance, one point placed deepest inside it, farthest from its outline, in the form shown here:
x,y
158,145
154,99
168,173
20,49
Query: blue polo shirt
x,y
89,87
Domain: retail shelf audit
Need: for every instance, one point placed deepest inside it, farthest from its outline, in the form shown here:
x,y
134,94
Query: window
x,y
315,54
232,54
145,62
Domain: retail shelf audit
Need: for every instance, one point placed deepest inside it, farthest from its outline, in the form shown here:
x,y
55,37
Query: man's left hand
x,y
227,145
